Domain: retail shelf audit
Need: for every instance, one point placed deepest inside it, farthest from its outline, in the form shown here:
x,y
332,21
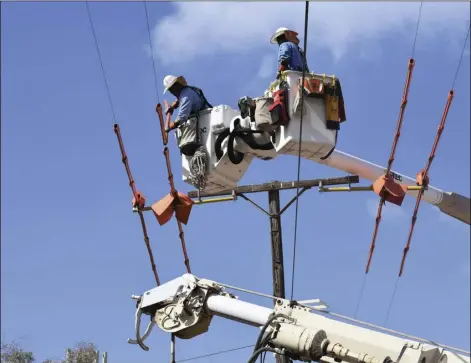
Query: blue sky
x,y
72,250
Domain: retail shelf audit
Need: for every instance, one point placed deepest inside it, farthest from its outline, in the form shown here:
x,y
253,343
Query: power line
x,y
306,18
391,302
417,29
101,62
216,353
360,295
461,58
152,53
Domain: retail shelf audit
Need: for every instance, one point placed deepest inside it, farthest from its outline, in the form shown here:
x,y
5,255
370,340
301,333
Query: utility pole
x,y
172,349
277,252
276,244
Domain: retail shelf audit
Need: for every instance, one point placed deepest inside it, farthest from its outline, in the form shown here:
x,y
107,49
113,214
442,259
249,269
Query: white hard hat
x,y
278,32
170,80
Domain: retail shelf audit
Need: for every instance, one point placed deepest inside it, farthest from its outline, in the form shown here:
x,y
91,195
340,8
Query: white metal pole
x,y
237,310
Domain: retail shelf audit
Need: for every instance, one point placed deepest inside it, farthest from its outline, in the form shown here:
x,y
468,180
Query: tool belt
x,y
334,106
188,136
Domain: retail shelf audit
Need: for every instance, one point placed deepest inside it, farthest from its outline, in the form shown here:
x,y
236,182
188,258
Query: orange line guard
x,y
138,201
385,186
423,179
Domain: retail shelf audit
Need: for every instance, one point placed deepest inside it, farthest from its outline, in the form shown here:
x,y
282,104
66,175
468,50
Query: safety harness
x,y
201,94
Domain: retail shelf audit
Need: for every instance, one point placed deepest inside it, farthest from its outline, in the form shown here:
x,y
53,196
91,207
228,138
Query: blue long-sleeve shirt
x,y
190,102
289,52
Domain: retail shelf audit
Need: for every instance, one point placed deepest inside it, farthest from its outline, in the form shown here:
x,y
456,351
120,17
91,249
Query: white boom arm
x,y
186,305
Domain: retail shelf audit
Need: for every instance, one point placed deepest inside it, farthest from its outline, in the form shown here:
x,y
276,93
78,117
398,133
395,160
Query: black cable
x,y
260,339
215,353
306,18
101,62
255,354
263,356
417,29
461,58
152,53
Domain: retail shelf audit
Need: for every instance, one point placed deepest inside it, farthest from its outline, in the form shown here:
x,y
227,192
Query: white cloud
x,y
201,29
267,66
389,210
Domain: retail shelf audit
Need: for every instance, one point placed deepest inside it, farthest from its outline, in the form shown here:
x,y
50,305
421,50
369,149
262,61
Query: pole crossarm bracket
x,y
275,185
232,194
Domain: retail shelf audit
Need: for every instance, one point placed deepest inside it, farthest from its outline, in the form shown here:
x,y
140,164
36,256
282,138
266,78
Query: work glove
x,y
174,125
281,69
172,107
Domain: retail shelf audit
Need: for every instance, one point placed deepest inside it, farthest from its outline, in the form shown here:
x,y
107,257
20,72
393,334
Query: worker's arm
x,y
172,107
184,110
284,56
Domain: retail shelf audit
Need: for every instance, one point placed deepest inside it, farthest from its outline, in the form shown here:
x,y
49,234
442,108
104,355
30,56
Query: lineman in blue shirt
x,y
290,55
190,100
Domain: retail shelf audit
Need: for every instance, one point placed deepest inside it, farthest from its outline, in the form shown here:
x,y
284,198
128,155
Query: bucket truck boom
x,y
186,305
233,138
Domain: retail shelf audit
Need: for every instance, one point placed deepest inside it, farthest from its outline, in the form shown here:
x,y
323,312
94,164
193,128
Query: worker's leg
x,y
188,142
264,118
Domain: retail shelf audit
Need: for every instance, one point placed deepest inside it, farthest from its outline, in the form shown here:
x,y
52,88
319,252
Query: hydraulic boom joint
x,y
186,305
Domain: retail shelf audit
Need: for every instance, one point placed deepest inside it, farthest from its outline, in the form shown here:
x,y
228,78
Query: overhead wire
x,y
137,196
101,61
391,302
416,30
216,353
306,18
152,52
461,58
360,295
397,135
